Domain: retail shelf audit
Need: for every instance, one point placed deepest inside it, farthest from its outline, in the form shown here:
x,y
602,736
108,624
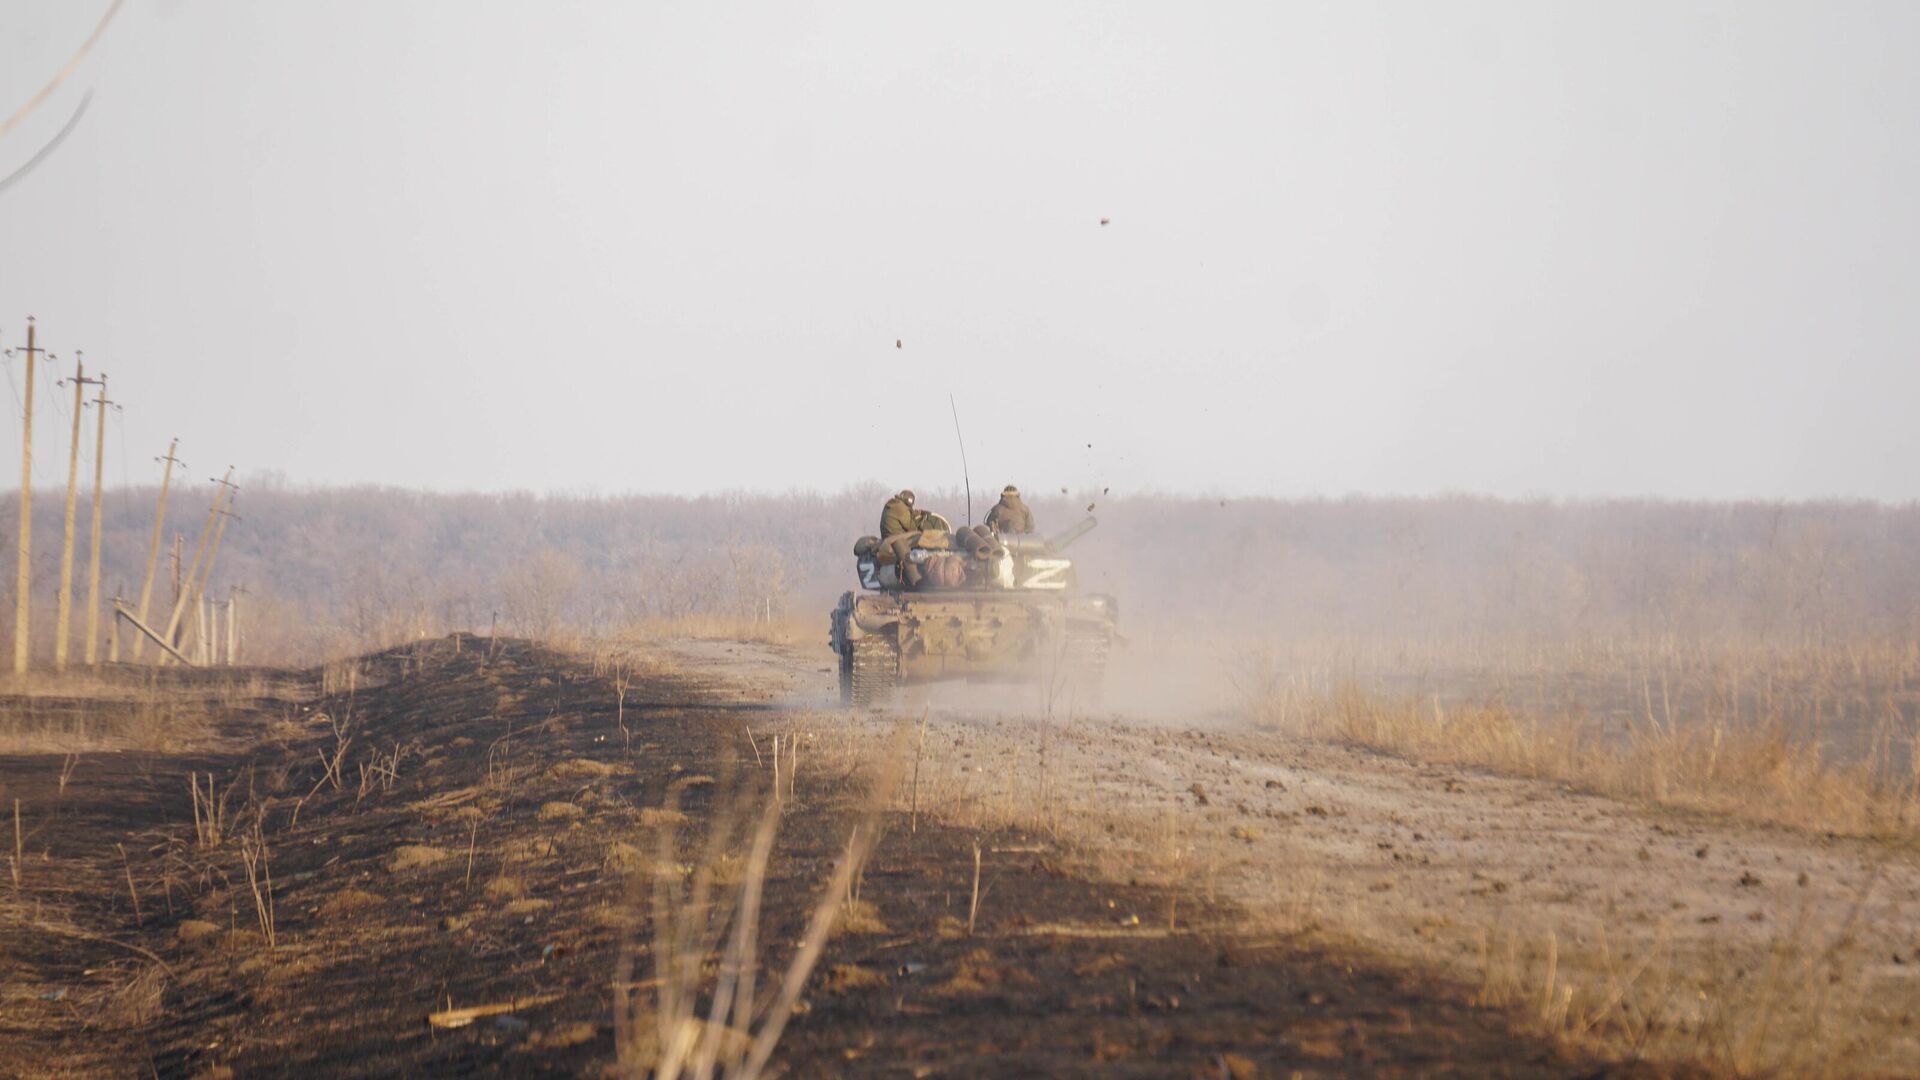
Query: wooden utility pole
x,y
113,632
153,548
233,627
199,589
185,593
63,625
122,612
93,562
23,585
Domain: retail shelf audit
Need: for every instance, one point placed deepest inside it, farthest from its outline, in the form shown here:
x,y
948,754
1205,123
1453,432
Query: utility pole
x,y
113,630
93,564
153,548
203,604
63,625
23,585
184,595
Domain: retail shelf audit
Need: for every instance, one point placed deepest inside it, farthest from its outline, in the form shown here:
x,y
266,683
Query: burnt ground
x,y
488,841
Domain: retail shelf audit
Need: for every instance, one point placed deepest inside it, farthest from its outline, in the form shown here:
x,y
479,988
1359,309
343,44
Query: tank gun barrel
x,y
1079,529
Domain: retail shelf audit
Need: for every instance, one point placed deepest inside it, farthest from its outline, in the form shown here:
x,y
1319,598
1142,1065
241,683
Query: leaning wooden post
x,y
150,632
184,594
199,588
153,547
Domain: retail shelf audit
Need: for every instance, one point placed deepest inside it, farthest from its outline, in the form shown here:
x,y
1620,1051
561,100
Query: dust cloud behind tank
x,y
953,605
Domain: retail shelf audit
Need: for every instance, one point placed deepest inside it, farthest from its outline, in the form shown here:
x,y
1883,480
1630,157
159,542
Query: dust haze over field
x,y
1496,416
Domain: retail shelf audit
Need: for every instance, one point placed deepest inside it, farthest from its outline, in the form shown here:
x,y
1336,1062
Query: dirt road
x,y
1529,891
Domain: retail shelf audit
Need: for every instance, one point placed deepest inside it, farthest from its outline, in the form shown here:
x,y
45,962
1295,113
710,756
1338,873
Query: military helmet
x,y
1010,490
905,496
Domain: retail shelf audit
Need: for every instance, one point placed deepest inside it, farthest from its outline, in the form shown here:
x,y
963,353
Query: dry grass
x,y
621,655
1757,772
1820,740
706,918
779,630
1807,1008
414,856
143,710
1804,1001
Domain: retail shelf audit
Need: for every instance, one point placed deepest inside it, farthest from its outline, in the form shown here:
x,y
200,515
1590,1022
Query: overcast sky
x,y
1514,248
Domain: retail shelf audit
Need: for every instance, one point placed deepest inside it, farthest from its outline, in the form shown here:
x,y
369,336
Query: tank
x,y
972,607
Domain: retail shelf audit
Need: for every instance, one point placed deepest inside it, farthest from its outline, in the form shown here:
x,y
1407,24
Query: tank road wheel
x,y
875,668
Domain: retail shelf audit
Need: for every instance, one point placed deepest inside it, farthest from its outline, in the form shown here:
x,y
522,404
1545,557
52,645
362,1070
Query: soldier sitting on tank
x,y
1010,514
900,528
897,516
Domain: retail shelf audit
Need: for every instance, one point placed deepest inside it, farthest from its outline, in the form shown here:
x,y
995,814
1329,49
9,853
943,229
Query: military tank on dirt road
x,y
968,605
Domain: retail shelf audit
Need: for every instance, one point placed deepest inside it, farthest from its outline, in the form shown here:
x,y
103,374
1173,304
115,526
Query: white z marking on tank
x,y
1046,573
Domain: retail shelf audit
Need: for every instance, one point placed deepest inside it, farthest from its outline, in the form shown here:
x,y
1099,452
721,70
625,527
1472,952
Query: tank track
x,y
871,671
839,639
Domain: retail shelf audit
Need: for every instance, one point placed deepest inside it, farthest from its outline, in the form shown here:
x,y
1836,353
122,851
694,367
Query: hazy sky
x,y
1569,249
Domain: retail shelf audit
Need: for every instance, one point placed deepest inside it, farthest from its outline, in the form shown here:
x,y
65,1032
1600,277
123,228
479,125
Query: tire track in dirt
x,y
1466,874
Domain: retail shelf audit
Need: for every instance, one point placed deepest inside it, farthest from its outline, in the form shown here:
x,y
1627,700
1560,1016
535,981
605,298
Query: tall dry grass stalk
x,y
253,858
209,810
719,897
132,892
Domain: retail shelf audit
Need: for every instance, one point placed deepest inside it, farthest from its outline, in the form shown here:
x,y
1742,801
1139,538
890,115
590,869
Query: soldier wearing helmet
x,y
1010,514
897,516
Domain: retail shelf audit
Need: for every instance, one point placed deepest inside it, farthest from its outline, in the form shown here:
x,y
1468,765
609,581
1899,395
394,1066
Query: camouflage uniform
x,y
1010,514
897,516
898,550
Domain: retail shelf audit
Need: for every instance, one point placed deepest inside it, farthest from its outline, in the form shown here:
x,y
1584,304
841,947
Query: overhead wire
x,y
126,472
65,73
59,404
13,385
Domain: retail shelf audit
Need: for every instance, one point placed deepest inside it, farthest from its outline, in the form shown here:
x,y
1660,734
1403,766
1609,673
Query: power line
x,y
14,386
126,473
58,405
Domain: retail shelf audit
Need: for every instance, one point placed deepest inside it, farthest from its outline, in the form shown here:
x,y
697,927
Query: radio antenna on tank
x,y
964,477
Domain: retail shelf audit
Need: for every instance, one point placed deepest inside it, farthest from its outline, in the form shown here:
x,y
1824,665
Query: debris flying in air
x,y
896,343
1106,221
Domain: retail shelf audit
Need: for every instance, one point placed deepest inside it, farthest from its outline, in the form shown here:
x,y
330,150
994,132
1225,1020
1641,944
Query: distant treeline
x,y
326,570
